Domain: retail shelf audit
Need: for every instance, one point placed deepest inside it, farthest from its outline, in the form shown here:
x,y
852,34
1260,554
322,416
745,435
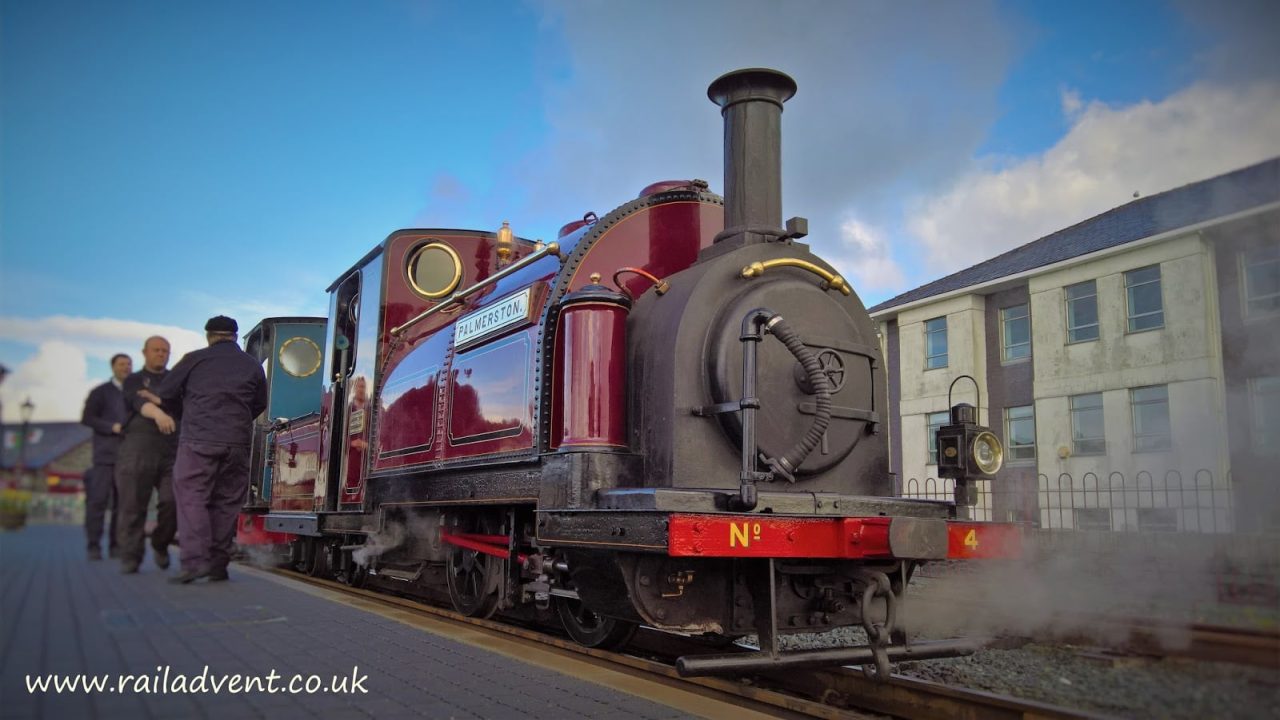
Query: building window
x,y
1015,329
1082,312
936,420
935,343
1088,429
1020,433
1264,405
1150,418
1142,289
1261,273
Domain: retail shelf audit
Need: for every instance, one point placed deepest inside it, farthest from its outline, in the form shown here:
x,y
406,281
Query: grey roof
x,y
1198,202
49,441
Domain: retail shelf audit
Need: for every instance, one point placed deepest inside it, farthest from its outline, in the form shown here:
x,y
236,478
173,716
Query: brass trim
x,y
457,270
998,452
314,346
831,280
459,296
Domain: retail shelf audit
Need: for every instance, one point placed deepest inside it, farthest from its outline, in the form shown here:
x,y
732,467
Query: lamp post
x,y
27,409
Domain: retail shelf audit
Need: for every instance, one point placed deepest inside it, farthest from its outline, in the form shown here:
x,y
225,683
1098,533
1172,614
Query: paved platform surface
x,y
61,613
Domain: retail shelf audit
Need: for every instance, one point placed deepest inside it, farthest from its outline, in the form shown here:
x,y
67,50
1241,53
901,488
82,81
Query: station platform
x,y
63,615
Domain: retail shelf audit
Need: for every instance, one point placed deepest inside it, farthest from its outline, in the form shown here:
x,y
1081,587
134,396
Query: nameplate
x,y
509,311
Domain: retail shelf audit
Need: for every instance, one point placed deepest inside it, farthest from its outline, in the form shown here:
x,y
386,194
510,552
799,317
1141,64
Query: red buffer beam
x,y
851,538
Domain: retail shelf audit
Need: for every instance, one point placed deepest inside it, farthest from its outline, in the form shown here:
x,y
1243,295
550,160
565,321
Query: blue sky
x,y
162,162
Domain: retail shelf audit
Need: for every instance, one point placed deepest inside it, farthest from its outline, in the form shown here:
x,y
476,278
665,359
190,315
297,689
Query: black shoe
x,y
162,559
129,567
95,553
218,575
188,576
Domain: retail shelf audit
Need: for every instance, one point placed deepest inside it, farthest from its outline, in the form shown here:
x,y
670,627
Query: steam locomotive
x,y
672,415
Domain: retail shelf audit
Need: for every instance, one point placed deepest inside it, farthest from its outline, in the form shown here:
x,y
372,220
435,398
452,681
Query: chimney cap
x,y
752,84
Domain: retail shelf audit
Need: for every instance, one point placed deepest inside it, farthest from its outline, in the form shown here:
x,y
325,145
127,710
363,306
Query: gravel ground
x,y
1091,679
1124,687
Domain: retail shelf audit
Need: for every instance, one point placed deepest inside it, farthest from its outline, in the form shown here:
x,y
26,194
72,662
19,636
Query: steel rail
x,y
834,693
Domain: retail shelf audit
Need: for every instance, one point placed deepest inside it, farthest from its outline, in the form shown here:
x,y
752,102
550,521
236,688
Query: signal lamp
x,y
967,451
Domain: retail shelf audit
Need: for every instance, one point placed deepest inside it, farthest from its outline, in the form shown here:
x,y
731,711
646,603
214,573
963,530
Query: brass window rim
x,y
300,338
457,270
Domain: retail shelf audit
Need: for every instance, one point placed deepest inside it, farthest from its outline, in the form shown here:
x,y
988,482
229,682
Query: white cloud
x,y
55,379
1072,104
275,302
865,258
71,357
626,111
1109,154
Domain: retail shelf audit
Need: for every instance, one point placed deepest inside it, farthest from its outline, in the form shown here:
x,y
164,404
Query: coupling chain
x,y
878,634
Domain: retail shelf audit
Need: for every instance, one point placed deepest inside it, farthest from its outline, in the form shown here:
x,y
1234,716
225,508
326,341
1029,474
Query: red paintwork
x,y
989,541
590,389
848,537
251,529
570,227
320,489
663,240
663,186
359,412
437,406
482,543
487,393
407,432
297,465
764,536
491,400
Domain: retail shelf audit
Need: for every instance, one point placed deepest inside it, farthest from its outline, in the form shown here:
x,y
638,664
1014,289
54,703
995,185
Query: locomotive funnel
x,y
751,103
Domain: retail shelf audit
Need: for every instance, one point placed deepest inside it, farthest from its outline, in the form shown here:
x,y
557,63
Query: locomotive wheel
x,y
302,554
592,630
319,560
474,578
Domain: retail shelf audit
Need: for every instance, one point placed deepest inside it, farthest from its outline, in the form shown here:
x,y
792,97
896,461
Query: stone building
x,y
1130,364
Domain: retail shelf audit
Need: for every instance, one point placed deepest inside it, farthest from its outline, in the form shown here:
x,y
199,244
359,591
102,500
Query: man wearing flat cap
x,y
221,389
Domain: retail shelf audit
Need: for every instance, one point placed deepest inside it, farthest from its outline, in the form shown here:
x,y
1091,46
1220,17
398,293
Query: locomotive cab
x,y
289,350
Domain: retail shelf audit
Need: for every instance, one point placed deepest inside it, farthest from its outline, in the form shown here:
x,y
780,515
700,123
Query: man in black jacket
x,y
104,412
221,389
145,466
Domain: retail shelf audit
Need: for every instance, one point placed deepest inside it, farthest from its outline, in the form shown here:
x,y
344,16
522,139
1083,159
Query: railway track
x,y
837,693
1200,642
1152,637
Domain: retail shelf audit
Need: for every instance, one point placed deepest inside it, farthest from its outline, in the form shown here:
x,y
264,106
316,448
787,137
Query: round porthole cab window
x,y
299,356
434,270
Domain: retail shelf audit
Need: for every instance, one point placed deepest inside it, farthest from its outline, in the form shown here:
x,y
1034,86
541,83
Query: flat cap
x,y
221,324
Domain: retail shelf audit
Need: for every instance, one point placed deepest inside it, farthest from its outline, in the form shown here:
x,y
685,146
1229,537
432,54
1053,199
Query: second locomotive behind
x,y
672,415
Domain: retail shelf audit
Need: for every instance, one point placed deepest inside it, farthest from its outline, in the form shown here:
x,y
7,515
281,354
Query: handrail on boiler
x,y
454,299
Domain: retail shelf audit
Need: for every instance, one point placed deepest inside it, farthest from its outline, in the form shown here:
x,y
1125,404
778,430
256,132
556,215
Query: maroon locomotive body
x,y
671,415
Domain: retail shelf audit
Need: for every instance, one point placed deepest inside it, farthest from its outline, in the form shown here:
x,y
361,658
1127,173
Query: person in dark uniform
x,y
104,412
145,466
221,390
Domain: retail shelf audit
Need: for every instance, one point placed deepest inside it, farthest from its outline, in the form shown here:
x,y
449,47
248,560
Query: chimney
x,y
751,103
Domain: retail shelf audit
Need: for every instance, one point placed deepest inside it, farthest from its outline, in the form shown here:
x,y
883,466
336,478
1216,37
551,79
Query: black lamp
x,y
966,450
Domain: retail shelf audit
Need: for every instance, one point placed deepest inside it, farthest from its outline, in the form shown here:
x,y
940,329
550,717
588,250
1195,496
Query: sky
x,y
163,162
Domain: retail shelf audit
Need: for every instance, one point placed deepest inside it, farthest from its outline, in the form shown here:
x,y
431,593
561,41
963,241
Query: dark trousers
x,y
210,482
140,470
99,497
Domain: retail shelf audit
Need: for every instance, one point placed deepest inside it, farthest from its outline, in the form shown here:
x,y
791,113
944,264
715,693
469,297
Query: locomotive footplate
x,y
748,535
786,503
314,525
